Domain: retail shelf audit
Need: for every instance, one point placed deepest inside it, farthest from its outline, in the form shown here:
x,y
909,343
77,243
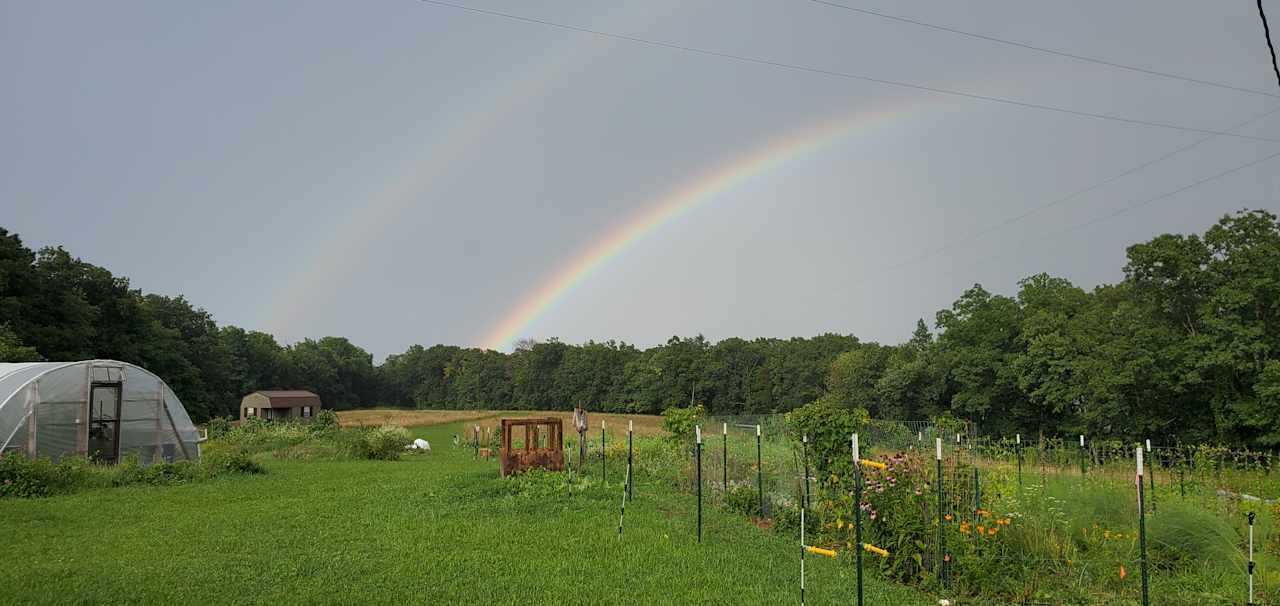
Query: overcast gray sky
x,y
399,172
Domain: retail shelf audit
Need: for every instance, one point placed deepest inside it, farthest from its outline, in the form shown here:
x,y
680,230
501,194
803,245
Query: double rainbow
x,y
669,207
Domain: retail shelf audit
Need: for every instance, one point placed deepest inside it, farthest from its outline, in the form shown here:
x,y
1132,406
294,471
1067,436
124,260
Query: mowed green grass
x,y
430,529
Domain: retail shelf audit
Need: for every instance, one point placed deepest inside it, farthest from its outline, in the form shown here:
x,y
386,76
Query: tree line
x,y
1186,346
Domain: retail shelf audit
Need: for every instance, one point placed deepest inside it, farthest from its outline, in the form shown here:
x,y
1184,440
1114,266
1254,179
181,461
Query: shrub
x,y
219,427
28,478
130,471
743,498
680,421
233,461
324,421
828,427
23,477
384,443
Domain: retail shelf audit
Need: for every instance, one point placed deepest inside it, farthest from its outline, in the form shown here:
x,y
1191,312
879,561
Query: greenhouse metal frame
x,y
103,410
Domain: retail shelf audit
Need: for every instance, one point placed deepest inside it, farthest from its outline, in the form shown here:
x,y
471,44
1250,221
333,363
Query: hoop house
x,y
100,409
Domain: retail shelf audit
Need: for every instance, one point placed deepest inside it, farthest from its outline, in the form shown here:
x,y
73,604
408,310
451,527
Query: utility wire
x,y
846,75
1130,207
1073,195
1266,31
1050,51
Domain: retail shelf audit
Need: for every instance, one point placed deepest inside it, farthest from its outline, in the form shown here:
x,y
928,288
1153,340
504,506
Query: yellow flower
x,y
947,517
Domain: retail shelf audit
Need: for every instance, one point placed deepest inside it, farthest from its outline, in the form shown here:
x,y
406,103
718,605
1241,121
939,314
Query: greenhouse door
x,y
104,423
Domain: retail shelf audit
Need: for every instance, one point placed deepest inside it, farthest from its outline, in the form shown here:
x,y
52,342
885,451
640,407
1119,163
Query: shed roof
x,y
287,393
285,398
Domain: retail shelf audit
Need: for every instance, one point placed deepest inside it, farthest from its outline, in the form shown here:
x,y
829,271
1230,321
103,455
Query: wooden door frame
x,y
119,420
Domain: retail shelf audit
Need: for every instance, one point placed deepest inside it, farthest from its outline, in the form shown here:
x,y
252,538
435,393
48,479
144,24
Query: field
x,y
436,528
645,425
325,525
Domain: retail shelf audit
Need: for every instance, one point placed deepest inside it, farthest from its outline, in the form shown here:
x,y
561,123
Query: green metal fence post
x,y
631,427
1082,468
977,496
857,513
1142,530
759,473
1151,474
603,478
724,460
942,537
698,428
1017,445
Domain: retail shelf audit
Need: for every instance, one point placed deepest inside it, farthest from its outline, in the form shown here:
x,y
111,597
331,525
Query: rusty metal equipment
x,y
543,445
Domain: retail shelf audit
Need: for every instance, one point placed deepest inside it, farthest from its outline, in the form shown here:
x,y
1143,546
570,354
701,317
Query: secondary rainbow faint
x,y
676,203
344,251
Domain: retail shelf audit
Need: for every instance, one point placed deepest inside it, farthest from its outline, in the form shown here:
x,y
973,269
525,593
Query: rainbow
x,y
344,251
678,203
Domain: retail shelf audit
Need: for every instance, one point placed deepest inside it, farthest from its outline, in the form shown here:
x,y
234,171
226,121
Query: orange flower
x,y
992,531
981,529
947,517
1122,572
946,558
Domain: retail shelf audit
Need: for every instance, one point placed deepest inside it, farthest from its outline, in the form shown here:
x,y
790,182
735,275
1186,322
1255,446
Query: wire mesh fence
x,y
992,520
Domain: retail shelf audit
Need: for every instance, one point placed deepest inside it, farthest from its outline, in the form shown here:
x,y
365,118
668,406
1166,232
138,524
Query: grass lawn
x,y
430,529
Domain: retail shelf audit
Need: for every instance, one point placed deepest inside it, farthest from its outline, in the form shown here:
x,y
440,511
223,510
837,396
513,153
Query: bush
x,y
130,471
219,427
28,478
828,427
680,421
234,461
324,421
384,443
23,477
743,498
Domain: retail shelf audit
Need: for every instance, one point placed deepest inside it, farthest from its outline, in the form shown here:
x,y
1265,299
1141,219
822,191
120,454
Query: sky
x,y
404,172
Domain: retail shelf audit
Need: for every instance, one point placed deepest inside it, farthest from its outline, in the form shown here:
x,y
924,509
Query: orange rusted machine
x,y
543,445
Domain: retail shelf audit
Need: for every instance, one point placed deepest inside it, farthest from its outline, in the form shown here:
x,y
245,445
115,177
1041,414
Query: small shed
x,y
280,405
100,409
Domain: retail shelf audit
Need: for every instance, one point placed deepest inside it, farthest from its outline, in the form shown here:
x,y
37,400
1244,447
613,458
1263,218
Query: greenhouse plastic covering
x,y
45,408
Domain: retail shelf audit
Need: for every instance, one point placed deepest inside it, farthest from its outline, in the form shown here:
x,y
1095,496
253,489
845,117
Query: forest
x,y
1186,346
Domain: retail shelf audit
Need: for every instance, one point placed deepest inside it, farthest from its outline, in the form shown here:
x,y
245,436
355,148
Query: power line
x,y
1266,31
1042,49
1073,195
1127,208
846,75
